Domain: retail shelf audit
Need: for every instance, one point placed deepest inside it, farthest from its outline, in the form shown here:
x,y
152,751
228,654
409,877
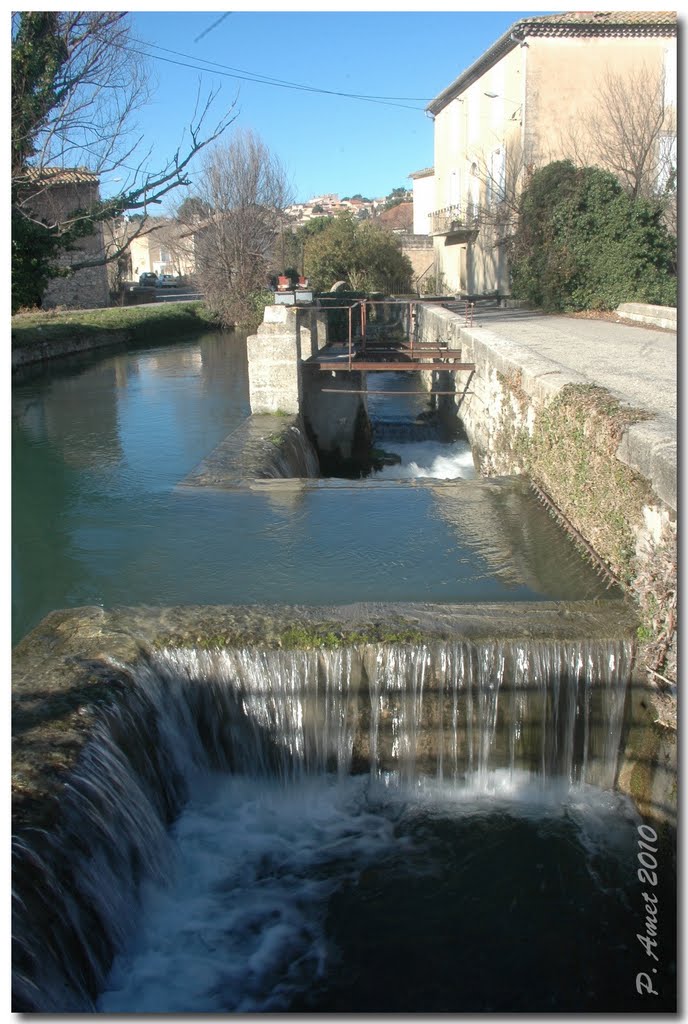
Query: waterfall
x,y
429,460
263,447
294,456
470,714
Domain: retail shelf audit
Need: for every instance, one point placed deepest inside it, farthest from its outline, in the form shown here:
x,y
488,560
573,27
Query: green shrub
x,y
364,255
582,243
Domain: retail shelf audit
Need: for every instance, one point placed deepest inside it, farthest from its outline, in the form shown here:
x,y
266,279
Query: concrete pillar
x,y
274,357
339,424
320,318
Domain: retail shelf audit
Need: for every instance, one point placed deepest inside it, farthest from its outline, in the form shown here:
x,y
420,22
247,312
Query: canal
x,y
496,887
100,444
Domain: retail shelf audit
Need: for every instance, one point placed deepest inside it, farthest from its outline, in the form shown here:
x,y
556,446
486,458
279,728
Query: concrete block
x,y
278,314
655,316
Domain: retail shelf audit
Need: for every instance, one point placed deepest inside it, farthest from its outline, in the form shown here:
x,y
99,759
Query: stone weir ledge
x,y
264,447
77,666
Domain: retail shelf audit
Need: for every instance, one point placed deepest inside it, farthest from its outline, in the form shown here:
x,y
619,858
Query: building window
x,y
474,198
496,178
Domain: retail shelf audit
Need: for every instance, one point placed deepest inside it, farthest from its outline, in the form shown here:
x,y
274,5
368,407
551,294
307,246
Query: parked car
x,y
148,279
167,281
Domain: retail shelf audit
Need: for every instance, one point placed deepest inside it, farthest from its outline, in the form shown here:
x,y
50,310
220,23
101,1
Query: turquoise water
x,y
100,444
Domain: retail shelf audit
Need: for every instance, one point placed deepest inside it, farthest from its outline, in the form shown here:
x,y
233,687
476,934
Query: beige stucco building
x,y
546,90
164,246
423,200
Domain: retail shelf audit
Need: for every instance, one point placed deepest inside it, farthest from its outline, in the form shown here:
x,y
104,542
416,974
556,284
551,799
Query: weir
x,y
284,808
396,694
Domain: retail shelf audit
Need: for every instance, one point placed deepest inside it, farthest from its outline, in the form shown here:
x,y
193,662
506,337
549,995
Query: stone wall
x,y
337,423
84,289
287,335
657,316
274,355
59,195
525,415
420,251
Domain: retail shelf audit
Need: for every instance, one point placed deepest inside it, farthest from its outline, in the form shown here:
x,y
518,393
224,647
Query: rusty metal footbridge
x,y
382,336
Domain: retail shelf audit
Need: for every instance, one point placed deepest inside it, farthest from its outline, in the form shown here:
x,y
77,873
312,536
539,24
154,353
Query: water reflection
x,y
77,415
516,536
98,452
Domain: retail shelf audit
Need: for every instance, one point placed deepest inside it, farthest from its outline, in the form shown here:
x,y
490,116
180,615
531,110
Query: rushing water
x,y
431,832
473,853
101,444
342,895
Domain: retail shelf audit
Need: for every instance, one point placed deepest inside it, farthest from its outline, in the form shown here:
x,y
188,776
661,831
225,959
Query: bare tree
x,y
102,78
630,130
245,188
496,181
78,79
627,125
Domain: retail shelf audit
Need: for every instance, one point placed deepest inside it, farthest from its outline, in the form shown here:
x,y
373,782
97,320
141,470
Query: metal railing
x,y
458,217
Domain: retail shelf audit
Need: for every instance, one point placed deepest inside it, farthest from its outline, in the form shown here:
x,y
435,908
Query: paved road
x,y
638,364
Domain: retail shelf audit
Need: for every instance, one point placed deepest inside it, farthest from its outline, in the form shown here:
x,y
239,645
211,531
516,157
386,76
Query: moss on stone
x,y
571,455
297,637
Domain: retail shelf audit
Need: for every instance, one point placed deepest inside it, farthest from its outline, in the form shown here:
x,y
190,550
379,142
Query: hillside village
x,y
331,206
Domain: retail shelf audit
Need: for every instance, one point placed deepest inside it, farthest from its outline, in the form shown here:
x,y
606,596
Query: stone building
x,y
56,195
532,98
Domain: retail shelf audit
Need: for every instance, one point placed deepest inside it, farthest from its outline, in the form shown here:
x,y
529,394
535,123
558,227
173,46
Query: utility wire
x,y
217,22
294,85
247,76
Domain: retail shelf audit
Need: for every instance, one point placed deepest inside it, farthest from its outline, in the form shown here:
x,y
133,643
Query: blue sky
x,y
327,143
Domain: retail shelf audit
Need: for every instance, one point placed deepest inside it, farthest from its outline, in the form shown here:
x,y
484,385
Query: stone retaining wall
x,y
526,415
67,347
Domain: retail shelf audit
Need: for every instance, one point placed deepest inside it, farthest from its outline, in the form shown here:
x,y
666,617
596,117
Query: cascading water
x,y
429,460
294,457
245,823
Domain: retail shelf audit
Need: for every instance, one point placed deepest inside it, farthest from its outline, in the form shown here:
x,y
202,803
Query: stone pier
x,y
287,335
281,380
274,355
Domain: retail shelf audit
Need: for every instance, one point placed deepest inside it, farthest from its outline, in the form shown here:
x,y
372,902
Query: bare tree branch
x,y
76,111
624,132
244,189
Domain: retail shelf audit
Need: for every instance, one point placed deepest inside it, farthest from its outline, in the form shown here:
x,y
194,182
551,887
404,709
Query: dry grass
x,y
655,590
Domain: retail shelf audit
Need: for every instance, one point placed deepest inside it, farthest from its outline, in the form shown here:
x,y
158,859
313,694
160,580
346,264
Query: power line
x,y
294,85
247,76
217,22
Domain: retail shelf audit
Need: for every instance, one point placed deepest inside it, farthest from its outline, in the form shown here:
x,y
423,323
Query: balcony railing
x,y
456,218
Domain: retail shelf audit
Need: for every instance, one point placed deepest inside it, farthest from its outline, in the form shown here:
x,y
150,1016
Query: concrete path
x,y
637,364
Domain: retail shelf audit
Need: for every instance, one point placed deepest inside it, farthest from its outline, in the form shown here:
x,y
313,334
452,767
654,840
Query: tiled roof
x,y
565,24
425,173
398,217
61,175
605,18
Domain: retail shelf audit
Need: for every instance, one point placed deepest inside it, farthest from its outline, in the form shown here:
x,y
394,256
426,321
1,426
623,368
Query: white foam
x,y
241,925
429,459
